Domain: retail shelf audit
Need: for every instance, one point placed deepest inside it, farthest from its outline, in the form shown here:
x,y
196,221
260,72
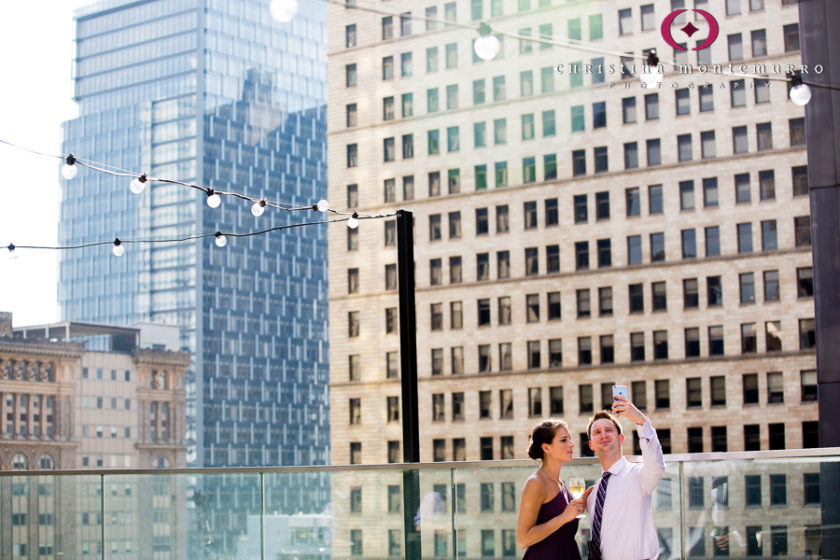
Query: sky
x,y
36,39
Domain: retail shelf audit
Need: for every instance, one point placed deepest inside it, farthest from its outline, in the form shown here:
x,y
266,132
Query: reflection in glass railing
x,y
721,505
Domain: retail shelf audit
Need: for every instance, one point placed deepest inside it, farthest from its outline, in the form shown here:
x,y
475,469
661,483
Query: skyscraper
x,y
218,94
574,228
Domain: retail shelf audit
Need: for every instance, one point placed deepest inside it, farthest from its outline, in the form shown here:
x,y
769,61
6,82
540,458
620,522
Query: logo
x,y
689,29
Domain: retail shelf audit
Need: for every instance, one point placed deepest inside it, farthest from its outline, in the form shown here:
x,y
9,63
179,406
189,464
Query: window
x,y
716,341
483,306
684,149
808,385
625,21
485,363
796,129
599,114
631,155
353,324
651,106
634,249
658,296
604,253
745,244
692,342
451,53
799,175
628,110
712,236
657,247
689,243
802,231
739,140
764,136
526,83
662,391
768,235
350,75
695,494
453,143
690,293
578,162
390,233
456,318
714,291
578,123
435,227
601,161
391,320
527,126
583,303
686,195
710,192
654,152
746,282
694,392
735,47
352,155
804,282
707,144
767,184
633,202
498,88
406,64
482,225
771,285
791,37
607,344
582,255
807,334
637,347
682,101
707,101
660,345
436,313
500,131
580,209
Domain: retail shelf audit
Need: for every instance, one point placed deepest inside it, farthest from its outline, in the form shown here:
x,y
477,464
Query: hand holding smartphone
x,y
620,390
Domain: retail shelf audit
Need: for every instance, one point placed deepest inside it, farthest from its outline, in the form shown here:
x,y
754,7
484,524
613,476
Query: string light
x,y
799,93
322,206
213,199
651,74
487,45
258,208
118,249
221,240
283,10
138,185
353,221
69,169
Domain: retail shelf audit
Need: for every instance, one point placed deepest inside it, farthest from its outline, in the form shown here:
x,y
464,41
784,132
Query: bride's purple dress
x,y
559,545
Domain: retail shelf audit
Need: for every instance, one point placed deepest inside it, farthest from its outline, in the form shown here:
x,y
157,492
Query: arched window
x,y
46,462
20,462
161,462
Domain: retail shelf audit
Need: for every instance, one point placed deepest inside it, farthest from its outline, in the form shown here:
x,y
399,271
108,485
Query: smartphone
x,y
620,390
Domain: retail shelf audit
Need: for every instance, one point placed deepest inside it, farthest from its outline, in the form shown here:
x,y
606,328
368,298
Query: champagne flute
x,y
577,486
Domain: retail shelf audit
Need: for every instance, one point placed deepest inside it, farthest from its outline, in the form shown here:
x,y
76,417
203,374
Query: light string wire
x,y
347,215
104,168
572,44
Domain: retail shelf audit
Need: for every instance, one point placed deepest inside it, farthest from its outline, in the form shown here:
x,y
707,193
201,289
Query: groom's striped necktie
x,y
599,508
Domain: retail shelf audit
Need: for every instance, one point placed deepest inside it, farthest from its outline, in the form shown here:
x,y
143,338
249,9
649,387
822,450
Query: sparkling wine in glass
x,y
577,486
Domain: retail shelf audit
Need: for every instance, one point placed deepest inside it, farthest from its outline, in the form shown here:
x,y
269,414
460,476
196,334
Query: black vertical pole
x,y
818,20
408,378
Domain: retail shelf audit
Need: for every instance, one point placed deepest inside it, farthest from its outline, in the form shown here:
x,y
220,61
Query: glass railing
x,y
733,505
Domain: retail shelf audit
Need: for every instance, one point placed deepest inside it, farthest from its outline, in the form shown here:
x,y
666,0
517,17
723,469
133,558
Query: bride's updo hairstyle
x,y
543,433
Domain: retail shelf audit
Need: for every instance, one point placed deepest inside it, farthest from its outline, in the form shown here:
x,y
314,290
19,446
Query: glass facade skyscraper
x,y
216,93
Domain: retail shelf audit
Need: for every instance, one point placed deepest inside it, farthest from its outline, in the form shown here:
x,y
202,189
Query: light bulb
x,y
221,240
118,249
283,10
651,76
353,221
258,208
487,47
69,169
213,200
800,94
322,205
138,185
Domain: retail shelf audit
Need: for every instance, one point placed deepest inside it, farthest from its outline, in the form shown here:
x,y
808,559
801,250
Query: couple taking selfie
x,y
618,504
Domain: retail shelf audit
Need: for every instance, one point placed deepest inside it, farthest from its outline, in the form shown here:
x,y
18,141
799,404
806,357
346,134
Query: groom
x,y
621,519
